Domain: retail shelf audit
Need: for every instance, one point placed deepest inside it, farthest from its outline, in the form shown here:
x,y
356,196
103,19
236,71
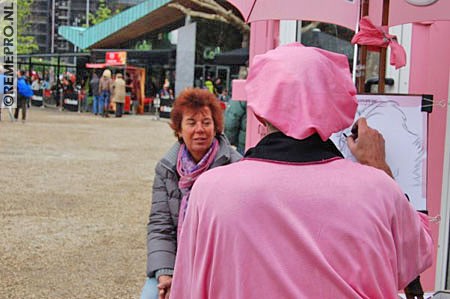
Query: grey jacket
x,y
163,220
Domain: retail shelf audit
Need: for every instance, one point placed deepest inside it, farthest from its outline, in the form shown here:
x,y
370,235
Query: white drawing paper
x,y
404,127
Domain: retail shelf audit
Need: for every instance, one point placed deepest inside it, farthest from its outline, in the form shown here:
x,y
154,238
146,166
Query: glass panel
x,y
326,36
223,72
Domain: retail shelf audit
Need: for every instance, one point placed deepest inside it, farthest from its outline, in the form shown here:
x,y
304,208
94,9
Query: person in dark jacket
x,y
236,124
95,93
24,92
197,122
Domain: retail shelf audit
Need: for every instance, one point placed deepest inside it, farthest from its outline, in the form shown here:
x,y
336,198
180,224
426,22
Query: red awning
x,y
103,65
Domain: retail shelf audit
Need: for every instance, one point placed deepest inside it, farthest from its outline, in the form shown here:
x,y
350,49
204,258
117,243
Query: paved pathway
x,y
74,201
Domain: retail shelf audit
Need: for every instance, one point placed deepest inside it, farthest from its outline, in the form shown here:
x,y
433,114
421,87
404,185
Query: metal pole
x,y
87,13
53,28
58,85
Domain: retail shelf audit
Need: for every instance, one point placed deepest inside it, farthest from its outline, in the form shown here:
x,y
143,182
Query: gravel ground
x,y
74,202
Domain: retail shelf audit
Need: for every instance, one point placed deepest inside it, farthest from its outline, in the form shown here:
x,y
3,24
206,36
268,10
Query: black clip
x,y
427,103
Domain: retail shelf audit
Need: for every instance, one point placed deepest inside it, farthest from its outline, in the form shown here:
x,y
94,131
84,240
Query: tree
x,y
214,37
25,44
143,45
222,14
217,13
102,13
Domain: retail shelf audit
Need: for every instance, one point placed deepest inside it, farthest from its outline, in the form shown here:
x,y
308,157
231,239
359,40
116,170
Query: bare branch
x,y
228,14
199,14
212,5
310,26
223,15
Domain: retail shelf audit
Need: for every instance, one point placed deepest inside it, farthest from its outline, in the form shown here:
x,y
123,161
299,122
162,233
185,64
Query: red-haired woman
x,y
197,122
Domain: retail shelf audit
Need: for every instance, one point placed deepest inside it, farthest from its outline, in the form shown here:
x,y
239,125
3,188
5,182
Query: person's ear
x,y
179,137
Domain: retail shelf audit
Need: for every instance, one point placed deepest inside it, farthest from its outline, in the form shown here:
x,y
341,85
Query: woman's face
x,y
197,131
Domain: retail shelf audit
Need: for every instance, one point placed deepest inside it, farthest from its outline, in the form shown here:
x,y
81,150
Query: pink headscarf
x,y
302,90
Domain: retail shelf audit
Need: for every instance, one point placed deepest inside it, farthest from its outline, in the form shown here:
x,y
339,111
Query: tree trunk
x,y
245,39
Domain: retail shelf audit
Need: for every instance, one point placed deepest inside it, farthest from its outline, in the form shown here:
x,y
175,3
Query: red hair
x,y
196,99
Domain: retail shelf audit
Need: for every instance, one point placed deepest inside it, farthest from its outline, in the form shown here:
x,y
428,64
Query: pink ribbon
x,y
376,37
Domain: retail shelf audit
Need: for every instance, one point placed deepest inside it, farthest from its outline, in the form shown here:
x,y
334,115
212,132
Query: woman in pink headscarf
x,y
197,122
294,219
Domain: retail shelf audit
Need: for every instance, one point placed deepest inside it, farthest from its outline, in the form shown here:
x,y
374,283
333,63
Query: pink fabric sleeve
x,y
184,278
414,245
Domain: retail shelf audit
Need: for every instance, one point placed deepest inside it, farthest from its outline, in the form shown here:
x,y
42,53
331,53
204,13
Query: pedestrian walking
x,y
118,94
94,84
24,92
105,87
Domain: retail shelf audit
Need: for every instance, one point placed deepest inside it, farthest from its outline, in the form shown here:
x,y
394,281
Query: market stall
x,y
134,77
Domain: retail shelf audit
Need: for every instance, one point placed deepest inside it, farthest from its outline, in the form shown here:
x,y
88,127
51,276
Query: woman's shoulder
x,y
169,160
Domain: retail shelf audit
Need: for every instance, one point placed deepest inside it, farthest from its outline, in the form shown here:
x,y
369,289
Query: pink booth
x,y
429,70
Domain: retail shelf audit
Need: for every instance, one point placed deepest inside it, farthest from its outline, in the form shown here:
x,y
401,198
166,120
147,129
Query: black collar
x,y
282,148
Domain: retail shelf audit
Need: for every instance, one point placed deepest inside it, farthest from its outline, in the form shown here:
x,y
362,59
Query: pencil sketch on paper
x,y
404,130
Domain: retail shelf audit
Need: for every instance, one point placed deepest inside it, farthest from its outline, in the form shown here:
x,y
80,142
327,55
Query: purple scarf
x,y
189,171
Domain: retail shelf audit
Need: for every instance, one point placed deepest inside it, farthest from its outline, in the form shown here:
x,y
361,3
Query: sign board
x,y
116,57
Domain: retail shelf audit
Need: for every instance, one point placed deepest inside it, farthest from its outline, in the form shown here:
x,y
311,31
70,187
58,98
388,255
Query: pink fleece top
x,y
258,229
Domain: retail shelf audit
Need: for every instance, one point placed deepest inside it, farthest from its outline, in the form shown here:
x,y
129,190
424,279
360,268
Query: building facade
x,y
47,15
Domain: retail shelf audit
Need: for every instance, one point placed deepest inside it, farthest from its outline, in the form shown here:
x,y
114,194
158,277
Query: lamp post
x,y
53,28
87,13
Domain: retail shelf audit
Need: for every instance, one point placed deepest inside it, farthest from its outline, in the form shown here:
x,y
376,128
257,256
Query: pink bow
x,y
376,37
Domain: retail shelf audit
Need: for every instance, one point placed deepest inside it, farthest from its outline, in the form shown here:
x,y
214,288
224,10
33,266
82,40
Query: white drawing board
x,y
404,127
